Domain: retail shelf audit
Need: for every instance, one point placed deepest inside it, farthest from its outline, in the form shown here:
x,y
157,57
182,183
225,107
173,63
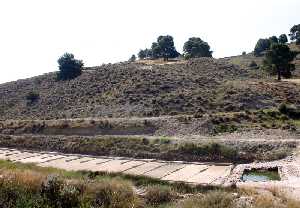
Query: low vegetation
x,y
29,186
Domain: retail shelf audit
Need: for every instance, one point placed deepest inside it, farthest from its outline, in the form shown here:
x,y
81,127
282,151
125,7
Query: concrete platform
x,y
169,171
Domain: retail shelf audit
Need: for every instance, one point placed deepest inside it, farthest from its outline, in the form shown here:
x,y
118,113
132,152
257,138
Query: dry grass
x,y
26,178
215,199
156,195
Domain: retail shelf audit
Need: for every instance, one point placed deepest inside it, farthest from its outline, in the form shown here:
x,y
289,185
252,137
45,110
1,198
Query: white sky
x,y
34,33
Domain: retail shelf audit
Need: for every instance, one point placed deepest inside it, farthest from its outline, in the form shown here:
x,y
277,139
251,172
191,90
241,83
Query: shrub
x,y
290,110
114,194
132,58
69,67
253,64
244,53
213,150
157,194
32,97
58,194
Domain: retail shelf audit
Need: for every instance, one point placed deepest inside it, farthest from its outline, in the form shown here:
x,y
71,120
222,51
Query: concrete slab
x,y
29,155
185,173
90,165
144,168
59,163
19,155
8,154
40,158
210,175
113,166
165,170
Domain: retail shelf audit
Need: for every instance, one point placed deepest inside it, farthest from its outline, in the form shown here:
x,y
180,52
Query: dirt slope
x,y
136,89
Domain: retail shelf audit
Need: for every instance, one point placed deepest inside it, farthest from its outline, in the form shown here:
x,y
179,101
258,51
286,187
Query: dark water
x,y
261,175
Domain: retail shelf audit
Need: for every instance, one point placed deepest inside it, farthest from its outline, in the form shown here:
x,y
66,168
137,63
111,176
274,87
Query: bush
x,y
32,97
213,150
114,194
253,64
157,194
69,67
290,110
58,194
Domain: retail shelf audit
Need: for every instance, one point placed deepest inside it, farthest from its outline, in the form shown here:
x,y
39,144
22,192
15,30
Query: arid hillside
x,y
146,90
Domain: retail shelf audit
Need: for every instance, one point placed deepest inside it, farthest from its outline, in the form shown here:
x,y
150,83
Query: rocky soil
x,y
136,89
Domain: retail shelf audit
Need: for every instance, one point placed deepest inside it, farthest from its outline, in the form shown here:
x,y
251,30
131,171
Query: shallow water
x,y
261,175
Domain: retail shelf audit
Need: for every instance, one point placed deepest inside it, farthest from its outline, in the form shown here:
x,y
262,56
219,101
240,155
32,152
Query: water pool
x,y
260,175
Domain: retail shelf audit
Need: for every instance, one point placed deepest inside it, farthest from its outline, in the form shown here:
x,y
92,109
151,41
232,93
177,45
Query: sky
x,y
34,33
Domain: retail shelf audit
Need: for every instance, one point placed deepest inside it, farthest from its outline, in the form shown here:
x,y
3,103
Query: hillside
x,y
146,90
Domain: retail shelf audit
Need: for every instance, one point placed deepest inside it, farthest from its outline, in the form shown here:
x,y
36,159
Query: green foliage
x,y
290,110
283,39
114,194
132,58
279,58
244,53
32,97
295,34
57,194
213,150
195,47
164,48
273,40
145,54
253,64
69,67
261,46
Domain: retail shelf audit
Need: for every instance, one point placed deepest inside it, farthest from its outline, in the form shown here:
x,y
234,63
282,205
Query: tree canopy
x,y
69,67
283,39
164,48
195,47
295,34
279,59
132,58
261,46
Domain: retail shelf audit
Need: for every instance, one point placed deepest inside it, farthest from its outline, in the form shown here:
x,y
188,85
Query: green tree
x,y
261,46
295,34
273,40
132,58
164,48
279,58
156,51
142,54
195,47
146,53
283,39
69,67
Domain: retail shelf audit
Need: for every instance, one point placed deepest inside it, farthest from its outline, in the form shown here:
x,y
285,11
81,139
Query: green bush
x,y
32,97
69,67
212,150
114,194
253,64
290,110
57,194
